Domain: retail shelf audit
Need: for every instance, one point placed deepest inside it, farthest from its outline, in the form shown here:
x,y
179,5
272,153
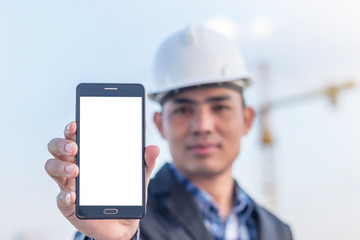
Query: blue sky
x,y
48,47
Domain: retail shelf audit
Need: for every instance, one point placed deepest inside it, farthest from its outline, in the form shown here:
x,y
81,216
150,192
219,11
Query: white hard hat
x,y
197,57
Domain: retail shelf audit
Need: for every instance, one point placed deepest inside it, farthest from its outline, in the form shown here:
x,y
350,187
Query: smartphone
x,y
111,144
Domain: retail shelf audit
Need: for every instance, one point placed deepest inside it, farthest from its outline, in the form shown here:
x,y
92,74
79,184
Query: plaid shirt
x,y
240,224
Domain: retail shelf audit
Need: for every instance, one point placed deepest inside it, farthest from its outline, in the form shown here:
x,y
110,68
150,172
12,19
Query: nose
x,y
202,122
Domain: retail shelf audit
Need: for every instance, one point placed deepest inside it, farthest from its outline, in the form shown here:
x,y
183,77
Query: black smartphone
x,y
111,144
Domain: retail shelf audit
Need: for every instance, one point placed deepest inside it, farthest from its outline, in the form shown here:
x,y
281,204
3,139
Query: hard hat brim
x,y
157,96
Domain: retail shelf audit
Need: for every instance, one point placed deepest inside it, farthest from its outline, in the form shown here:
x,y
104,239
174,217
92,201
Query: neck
x,y
220,188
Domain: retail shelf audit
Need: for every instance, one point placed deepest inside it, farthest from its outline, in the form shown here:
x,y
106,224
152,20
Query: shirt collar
x,y
243,205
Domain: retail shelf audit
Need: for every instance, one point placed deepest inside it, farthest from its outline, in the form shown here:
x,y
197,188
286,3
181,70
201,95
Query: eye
x,y
182,110
220,108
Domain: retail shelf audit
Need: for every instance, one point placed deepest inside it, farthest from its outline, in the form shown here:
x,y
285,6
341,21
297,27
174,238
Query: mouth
x,y
203,148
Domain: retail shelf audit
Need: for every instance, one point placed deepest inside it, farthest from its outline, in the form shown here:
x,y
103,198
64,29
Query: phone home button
x,y
110,211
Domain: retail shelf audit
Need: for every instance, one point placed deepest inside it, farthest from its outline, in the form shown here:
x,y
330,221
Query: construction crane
x,y
267,141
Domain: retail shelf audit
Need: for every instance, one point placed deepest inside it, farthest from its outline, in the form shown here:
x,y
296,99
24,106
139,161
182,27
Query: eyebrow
x,y
208,100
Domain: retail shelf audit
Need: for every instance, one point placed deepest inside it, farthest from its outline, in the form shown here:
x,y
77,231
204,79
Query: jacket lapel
x,y
270,228
181,205
185,210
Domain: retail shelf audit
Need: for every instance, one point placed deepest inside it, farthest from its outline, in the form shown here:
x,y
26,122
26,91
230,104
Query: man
x,y
200,76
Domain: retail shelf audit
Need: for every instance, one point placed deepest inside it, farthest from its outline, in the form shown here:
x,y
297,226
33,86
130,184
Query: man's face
x,y
204,128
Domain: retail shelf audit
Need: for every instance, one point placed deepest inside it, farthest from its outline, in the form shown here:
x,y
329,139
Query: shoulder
x,y
163,182
271,225
166,198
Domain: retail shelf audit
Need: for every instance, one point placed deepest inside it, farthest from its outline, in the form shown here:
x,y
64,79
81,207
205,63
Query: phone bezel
x,y
108,90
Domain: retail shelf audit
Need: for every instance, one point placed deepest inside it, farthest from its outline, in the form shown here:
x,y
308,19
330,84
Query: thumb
x,y
151,153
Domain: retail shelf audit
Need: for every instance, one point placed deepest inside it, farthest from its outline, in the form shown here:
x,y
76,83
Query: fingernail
x,y
67,197
69,147
68,127
69,169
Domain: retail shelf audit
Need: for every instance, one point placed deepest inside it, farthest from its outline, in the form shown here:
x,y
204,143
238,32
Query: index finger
x,y
63,149
70,131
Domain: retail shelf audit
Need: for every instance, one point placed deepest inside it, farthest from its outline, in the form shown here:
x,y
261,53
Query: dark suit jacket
x,y
173,214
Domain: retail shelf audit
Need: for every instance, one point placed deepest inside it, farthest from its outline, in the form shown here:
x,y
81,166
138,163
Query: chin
x,y
205,165
204,169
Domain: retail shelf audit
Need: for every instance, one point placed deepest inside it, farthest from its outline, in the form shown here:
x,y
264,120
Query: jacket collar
x,y
270,227
184,209
180,203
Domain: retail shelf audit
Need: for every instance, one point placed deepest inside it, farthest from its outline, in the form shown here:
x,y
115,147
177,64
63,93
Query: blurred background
x,y
301,159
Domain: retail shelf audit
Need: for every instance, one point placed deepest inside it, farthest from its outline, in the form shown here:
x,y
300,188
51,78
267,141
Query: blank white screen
x,y
110,151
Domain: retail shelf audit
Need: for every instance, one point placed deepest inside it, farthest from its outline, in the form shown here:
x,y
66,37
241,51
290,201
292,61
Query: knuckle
x,y
55,146
48,165
60,201
60,169
60,148
50,144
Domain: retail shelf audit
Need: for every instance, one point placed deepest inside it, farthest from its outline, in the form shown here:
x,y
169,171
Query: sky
x,y
48,47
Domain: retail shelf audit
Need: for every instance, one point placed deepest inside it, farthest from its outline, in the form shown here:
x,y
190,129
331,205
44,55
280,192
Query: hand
x,y
63,170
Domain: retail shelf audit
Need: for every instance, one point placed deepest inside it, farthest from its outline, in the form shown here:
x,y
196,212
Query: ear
x,y
159,123
249,116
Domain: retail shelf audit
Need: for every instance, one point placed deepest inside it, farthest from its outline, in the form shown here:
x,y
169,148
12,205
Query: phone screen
x,y
110,137
111,146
